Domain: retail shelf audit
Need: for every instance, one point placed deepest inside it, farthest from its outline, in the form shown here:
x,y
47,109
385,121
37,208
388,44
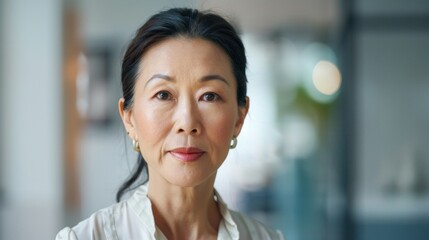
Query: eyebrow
x,y
214,77
203,79
160,76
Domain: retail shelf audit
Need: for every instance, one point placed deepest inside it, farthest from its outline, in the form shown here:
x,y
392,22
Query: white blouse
x,y
133,219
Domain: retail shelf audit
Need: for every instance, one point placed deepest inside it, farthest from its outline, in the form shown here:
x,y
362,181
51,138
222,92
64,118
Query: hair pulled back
x,y
172,23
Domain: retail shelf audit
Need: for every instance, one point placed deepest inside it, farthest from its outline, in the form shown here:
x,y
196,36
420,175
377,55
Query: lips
x,y
187,154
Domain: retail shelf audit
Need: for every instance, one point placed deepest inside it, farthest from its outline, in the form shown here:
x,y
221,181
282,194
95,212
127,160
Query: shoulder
x,y
100,225
252,229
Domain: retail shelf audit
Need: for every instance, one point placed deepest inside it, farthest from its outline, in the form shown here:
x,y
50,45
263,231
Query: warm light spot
x,y
326,77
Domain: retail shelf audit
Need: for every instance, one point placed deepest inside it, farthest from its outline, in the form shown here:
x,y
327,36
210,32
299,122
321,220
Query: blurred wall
x,y
389,92
392,133
31,119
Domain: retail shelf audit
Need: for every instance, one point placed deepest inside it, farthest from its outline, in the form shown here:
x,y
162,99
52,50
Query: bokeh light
x,y
326,77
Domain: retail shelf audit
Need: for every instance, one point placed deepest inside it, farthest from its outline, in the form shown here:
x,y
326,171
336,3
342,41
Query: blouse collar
x,y
142,206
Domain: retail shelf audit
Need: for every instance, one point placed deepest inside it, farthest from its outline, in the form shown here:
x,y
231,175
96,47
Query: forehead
x,y
183,56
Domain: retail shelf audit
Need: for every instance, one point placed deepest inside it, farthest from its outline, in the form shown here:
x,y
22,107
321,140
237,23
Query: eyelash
x,y
169,96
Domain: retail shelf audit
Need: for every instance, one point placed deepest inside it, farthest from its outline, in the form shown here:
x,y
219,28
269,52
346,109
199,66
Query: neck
x,y
184,212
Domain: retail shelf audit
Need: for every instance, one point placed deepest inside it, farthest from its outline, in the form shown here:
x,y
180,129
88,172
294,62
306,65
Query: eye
x,y
210,97
163,95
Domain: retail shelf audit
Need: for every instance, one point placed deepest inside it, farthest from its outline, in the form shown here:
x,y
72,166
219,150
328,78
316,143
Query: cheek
x,y
151,124
220,126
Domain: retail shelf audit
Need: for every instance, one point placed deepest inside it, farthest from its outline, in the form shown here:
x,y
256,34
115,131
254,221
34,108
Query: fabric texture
x,y
133,219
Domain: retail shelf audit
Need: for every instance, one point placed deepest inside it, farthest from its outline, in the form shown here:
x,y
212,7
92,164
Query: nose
x,y
188,117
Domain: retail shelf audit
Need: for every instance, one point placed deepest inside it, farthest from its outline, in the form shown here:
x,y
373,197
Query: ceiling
x,y
257,16
108,18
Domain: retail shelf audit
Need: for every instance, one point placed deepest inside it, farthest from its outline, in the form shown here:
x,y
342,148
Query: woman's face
x,y
185,110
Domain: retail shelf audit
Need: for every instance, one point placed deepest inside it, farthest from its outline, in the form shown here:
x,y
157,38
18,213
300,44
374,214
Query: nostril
x,y
193,131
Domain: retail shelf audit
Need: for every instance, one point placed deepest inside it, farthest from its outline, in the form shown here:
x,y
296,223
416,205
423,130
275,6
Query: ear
x,y
126,116
242,113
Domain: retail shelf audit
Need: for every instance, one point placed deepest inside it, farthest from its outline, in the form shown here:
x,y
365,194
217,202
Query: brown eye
x,y
210,97
163,95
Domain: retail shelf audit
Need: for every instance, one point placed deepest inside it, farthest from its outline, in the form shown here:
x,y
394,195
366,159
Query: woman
x,y
184,103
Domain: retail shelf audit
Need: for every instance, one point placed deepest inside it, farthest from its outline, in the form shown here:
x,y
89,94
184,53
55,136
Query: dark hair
x,y
171,23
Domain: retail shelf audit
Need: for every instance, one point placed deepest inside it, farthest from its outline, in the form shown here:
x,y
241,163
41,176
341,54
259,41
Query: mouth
x,y
187,154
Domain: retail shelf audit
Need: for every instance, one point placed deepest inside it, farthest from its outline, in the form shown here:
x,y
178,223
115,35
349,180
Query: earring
x,y
136,145
234,143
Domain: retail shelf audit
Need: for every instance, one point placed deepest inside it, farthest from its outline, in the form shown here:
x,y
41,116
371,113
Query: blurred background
x,y
335,145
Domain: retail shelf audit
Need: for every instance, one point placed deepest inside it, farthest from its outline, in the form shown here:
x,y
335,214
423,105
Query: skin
x,y
185,96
